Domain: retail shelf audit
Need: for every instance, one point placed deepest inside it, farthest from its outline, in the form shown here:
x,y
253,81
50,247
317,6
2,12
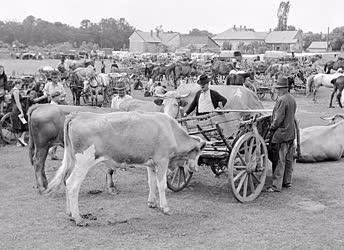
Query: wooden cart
x,y
234,145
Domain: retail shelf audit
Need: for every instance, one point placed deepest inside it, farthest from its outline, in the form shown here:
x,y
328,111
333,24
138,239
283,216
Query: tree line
x,y
111,33
108,33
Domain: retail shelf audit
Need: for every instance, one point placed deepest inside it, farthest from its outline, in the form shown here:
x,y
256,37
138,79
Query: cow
x,y
323,143
46,130
151,139
45,123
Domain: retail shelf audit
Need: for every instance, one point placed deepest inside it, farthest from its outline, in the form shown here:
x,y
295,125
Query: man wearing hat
x,y
206,100
282,135
121,96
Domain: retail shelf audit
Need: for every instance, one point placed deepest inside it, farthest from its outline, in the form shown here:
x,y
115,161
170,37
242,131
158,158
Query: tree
x,y
197,32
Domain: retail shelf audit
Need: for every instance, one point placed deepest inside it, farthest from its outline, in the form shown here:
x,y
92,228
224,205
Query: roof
x,y
232,34
282,37
186,40
318,45
152,37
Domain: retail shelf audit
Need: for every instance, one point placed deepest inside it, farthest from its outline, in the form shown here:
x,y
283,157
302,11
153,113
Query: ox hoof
x,y
88,217
113,191
81,223
41,190
152,204
331,107
166,210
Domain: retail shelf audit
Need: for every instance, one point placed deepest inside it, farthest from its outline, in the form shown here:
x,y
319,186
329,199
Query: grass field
x,y
205,215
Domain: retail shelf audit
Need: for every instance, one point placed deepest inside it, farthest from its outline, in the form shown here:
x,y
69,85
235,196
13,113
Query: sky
x,y
181,15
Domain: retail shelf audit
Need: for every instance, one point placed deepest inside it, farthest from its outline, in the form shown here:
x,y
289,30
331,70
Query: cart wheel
x,y
273,95
178,178
7,133
247,167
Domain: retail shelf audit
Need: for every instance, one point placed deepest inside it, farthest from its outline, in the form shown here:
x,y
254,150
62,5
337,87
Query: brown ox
x,y
46,130
151,139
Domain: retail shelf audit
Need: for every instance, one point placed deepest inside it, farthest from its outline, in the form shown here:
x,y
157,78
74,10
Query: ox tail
x,y
67,162
32,147
309,84
325,67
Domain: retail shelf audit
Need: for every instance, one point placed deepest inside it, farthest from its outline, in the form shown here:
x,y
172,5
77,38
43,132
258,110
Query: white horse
x,y
97,85
315,81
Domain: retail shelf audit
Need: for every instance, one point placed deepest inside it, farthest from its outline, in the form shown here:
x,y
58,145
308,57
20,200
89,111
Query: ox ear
x,y
183,103
158,101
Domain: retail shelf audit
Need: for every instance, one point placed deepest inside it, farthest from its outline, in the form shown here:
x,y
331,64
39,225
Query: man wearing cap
x,y
282,135
206,100
121,97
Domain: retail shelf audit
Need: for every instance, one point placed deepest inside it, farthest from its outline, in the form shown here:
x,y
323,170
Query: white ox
x,y
151,139
323,143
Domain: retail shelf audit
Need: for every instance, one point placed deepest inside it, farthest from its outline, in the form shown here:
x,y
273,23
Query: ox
x,y
323,143
46,130
151,139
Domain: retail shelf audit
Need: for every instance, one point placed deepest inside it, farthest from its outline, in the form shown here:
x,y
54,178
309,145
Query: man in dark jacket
x,y
206,100
282,134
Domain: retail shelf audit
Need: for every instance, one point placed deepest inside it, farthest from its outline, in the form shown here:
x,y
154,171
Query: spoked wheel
x,y
247,167
178,178
8,135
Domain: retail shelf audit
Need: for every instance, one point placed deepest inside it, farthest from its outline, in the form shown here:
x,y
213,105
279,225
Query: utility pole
x,y
328,38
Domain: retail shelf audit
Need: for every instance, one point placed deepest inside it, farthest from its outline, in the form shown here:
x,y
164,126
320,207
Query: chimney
x,y
240,27
157,33
270,30
245,27
234,28
151,33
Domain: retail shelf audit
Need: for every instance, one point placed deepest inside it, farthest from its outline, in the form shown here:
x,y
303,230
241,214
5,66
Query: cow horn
x,y
160,96
328,118
185,95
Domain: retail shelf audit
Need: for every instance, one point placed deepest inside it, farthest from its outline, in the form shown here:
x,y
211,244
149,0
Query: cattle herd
x,y
147,133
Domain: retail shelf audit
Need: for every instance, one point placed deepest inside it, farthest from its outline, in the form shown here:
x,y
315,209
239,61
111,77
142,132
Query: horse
x,y
239,78
221,68
96,85
184,70
335,65
315,81
73,64
77,78
276,69
338,86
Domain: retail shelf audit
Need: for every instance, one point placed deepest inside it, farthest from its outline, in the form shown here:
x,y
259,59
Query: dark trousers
x,y
281,156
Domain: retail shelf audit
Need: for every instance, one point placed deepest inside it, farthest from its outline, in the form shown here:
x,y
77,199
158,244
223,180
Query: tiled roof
x,y
318,45
190,39
232,34
281,37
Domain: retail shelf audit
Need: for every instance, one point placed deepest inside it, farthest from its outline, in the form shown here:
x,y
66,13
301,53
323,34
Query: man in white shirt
x,y
55,91
206,100
120,97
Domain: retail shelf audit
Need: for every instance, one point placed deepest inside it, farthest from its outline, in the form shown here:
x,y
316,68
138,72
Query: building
x,y
155,42
152,42
290,41
233,37
319,46
198,44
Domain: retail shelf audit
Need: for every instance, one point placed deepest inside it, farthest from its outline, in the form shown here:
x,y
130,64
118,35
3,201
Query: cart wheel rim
x,y
247,167
178,178
7,133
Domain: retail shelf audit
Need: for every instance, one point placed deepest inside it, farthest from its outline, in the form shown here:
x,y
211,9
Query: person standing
x,y
3,88
102,69
206,100
18,114
120,97
54,91
282,135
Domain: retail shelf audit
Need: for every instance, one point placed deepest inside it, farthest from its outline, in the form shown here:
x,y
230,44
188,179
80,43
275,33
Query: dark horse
x,y
335,65
184,70
76,87
338,86
239,79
